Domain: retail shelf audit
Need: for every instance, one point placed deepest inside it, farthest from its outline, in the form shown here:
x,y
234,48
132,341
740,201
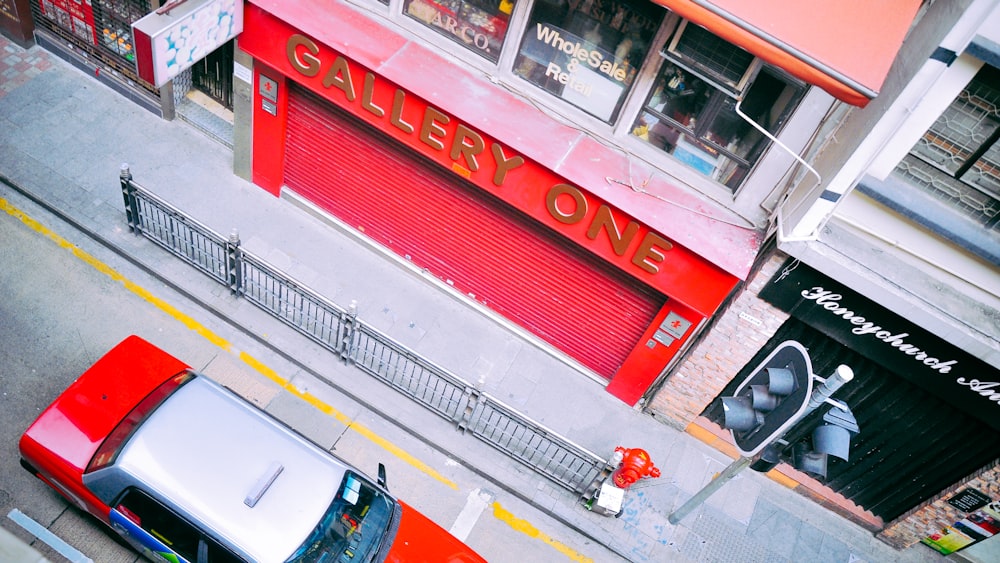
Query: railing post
x,y
472,398
234,263
128,193
348,328
603,470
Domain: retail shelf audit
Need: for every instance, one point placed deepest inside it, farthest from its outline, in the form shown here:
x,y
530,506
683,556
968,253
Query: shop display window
x,y
115,19
587,52
97,23
692,113
75,17
480,25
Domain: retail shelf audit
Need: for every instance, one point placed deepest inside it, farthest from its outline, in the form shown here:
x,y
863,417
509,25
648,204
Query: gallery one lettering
x,y
831,302
566,204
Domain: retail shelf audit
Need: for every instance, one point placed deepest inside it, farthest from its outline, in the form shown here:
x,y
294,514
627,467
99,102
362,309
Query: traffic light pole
x,y
840,376
739,464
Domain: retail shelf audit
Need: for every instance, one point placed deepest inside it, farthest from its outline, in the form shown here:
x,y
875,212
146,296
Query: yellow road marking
x,y
364,431
222,343
525,527
518,524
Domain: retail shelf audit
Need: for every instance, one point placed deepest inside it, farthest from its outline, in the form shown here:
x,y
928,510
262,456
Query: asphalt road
x,y
65,300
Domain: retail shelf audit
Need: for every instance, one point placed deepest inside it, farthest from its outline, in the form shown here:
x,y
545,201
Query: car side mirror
x,y
381,476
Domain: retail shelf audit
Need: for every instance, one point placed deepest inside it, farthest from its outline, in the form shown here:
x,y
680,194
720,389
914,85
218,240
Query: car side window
x,y
176,533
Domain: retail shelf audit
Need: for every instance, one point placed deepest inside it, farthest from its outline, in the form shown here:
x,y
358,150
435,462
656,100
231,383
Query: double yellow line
x,y
498,511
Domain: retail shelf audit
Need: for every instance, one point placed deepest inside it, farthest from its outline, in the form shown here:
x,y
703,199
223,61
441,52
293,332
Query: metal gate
x,y
465,236
912,444
213,75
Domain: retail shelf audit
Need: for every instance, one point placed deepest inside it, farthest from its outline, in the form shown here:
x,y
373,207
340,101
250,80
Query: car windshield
x,y
352,528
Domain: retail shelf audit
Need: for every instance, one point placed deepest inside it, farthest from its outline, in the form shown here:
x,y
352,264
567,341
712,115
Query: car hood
x,y
421,540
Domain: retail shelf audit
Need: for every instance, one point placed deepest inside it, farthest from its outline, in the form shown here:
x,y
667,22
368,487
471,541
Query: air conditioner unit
x,y
713,59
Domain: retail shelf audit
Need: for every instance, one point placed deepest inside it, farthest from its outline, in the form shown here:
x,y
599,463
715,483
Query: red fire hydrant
x,y
634,465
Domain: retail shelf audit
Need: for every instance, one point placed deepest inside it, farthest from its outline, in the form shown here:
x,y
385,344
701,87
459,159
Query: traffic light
x,y
746,412
832,437
770,399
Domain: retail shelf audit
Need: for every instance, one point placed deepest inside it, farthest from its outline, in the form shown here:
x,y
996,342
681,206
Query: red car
x,y
185,470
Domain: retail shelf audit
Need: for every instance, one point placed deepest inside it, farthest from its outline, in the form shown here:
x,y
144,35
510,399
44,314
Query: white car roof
x,y
205,450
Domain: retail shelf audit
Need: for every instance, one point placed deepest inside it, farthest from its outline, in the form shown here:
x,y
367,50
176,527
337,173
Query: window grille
x,y
712,57
958,159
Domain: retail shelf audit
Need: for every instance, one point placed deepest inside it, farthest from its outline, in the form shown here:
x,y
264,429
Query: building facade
x,y
886,260
592,171
658,194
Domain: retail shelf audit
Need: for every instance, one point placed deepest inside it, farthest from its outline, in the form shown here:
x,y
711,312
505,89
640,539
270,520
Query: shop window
x,y
480,25
957,161
693,111
587,52
114,19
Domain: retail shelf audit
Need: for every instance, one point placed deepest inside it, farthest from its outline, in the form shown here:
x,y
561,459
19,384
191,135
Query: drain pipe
x,y
779,223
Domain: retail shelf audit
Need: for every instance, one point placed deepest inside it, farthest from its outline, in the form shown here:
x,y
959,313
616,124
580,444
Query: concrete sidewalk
x,y
63,137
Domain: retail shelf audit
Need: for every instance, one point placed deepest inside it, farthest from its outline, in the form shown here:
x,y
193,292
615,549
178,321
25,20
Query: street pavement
x,y
63,139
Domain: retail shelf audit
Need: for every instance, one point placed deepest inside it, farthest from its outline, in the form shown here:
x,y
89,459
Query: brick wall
x,y
740,332
936,513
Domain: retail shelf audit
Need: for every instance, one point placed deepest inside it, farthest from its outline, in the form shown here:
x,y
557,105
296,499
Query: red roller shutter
x,y
464,235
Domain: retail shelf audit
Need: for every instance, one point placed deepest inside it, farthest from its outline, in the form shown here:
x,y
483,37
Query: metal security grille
x,y
99,29
465,236
339,330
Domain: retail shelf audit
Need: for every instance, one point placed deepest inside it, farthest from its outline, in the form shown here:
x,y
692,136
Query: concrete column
x,y
242,113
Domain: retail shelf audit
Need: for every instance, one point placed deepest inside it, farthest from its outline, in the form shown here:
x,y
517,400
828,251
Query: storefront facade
x,y
597,284
928,411
586,170
97,36
15,21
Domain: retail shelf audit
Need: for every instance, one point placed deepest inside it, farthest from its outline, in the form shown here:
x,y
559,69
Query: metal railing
x,y
341,331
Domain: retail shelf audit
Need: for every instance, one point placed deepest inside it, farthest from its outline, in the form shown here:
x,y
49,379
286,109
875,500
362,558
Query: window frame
x,y
671,52
706,118
630,108
967,156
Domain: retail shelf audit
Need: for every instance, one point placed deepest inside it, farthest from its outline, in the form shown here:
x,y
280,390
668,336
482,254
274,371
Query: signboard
x,y
172,39
968,500
915,353
980,525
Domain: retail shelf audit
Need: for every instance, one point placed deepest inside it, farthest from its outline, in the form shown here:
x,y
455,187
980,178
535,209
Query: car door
x,y
160,534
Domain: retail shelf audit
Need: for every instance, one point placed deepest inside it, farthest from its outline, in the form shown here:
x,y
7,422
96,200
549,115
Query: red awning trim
x,y
845,47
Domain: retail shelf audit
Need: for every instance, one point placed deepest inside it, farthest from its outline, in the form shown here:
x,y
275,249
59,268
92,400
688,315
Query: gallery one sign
x,y
908,350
